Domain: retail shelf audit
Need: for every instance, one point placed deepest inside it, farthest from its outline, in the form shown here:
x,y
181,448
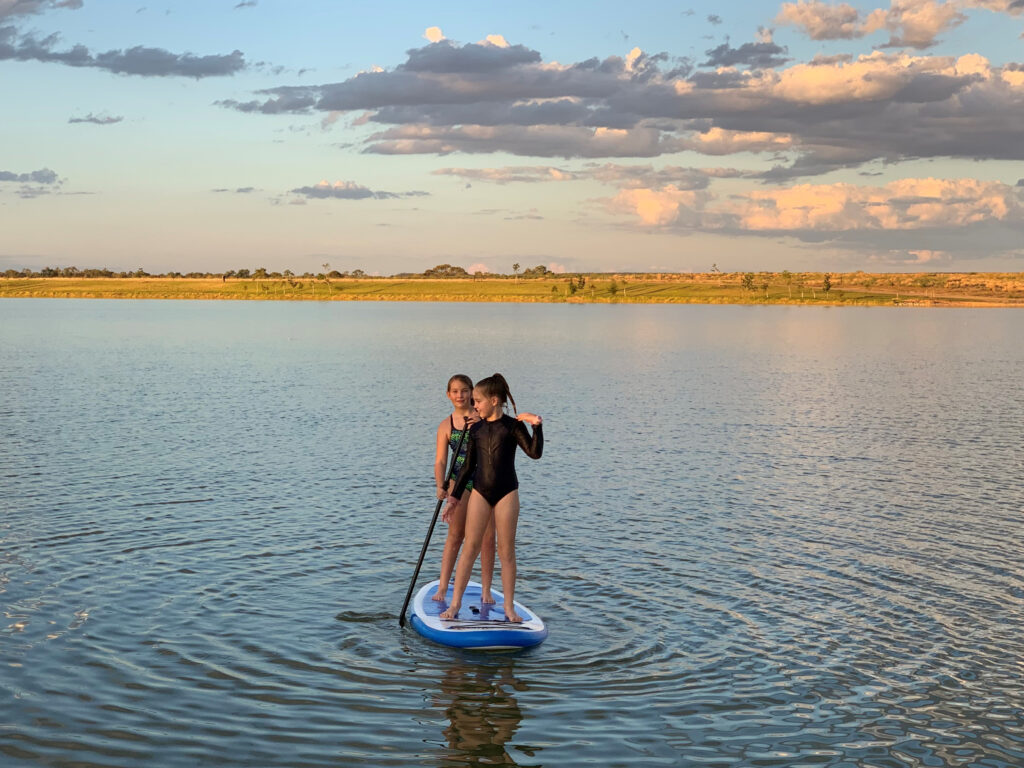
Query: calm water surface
x,y
759,536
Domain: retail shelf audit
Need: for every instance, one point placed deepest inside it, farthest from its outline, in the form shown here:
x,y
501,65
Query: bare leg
x,y
456,533
487,551
506,518
478,514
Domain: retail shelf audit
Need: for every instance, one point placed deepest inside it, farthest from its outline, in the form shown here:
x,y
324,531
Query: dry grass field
x,y
856,288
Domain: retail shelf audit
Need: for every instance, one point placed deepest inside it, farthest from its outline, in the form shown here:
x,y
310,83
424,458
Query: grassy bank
x,y
923,289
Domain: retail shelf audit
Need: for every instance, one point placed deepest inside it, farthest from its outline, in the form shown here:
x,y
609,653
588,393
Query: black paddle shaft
x,y
430,530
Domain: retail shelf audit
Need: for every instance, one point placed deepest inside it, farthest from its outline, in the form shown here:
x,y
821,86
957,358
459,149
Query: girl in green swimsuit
x,y
460,391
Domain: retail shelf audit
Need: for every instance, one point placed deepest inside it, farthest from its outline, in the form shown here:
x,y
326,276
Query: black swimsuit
x,y
491,458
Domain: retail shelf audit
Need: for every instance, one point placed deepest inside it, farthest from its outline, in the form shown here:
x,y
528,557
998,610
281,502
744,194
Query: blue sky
x,y
803,135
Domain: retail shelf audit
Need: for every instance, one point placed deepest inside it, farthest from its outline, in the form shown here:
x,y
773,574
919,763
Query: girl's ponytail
x,y
496,386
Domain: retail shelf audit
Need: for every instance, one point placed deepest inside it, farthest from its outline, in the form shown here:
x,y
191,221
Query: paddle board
x,y
478,625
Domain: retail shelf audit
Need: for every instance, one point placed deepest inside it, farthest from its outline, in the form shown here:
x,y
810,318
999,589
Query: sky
x,y
581,136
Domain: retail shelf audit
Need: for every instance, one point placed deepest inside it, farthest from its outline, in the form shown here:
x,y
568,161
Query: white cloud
x,y
910,23
433,34
822,21
496,40
917,23
633,58
478,267
905,204
718,141
659,207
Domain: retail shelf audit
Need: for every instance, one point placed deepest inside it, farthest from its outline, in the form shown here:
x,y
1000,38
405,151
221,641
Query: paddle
x,y
430,530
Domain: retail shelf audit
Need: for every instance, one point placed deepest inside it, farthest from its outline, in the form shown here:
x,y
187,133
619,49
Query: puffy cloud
x,y
444,74
660,207
496,40
917,23
97,119
764,54
830,113
821,21
486,56
833,209
42,176
146,62
875,77
27,7
719,141
478,267
33,184
900,205
349,190
433,34
910,23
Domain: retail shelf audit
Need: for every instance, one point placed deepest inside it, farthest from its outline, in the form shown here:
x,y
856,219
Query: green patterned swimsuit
x,y
453,441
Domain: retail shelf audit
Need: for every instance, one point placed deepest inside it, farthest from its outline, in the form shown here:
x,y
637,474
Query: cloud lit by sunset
x,y
844,124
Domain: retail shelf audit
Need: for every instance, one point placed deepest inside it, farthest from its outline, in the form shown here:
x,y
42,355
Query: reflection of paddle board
x,y
478,625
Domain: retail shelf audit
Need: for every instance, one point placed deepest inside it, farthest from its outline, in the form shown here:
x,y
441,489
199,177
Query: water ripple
x,y
803,550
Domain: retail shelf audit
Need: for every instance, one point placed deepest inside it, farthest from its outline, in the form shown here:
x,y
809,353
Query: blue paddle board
x,y
478,625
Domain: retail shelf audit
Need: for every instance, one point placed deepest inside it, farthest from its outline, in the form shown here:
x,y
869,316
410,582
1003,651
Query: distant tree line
x,y
262,273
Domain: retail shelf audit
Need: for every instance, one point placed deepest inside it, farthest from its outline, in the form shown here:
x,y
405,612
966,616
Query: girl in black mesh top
x,y
490,464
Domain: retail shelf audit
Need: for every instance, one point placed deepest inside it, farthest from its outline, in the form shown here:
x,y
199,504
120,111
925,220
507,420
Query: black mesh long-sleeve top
x,y
491,457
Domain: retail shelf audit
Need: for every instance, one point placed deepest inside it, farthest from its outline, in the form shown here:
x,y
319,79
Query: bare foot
x,y
486,598
452,612
441,595
511,614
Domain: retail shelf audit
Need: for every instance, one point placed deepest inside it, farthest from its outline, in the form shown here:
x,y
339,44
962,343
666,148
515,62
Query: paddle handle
x,y
430,530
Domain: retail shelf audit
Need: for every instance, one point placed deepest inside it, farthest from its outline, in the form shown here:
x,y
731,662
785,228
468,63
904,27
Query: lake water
x,y
760,536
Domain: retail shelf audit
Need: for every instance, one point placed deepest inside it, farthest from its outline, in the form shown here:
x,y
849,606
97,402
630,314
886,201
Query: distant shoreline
x,y
846,289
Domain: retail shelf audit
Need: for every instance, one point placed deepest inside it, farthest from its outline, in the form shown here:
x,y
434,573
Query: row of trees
x,y
262,273
241,274
747,281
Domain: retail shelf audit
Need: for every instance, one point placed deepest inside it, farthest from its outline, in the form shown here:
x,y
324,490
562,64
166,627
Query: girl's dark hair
x,y
460,377
496,386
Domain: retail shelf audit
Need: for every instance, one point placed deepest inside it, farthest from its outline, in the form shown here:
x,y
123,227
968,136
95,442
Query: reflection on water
x,y
766,537
479,700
